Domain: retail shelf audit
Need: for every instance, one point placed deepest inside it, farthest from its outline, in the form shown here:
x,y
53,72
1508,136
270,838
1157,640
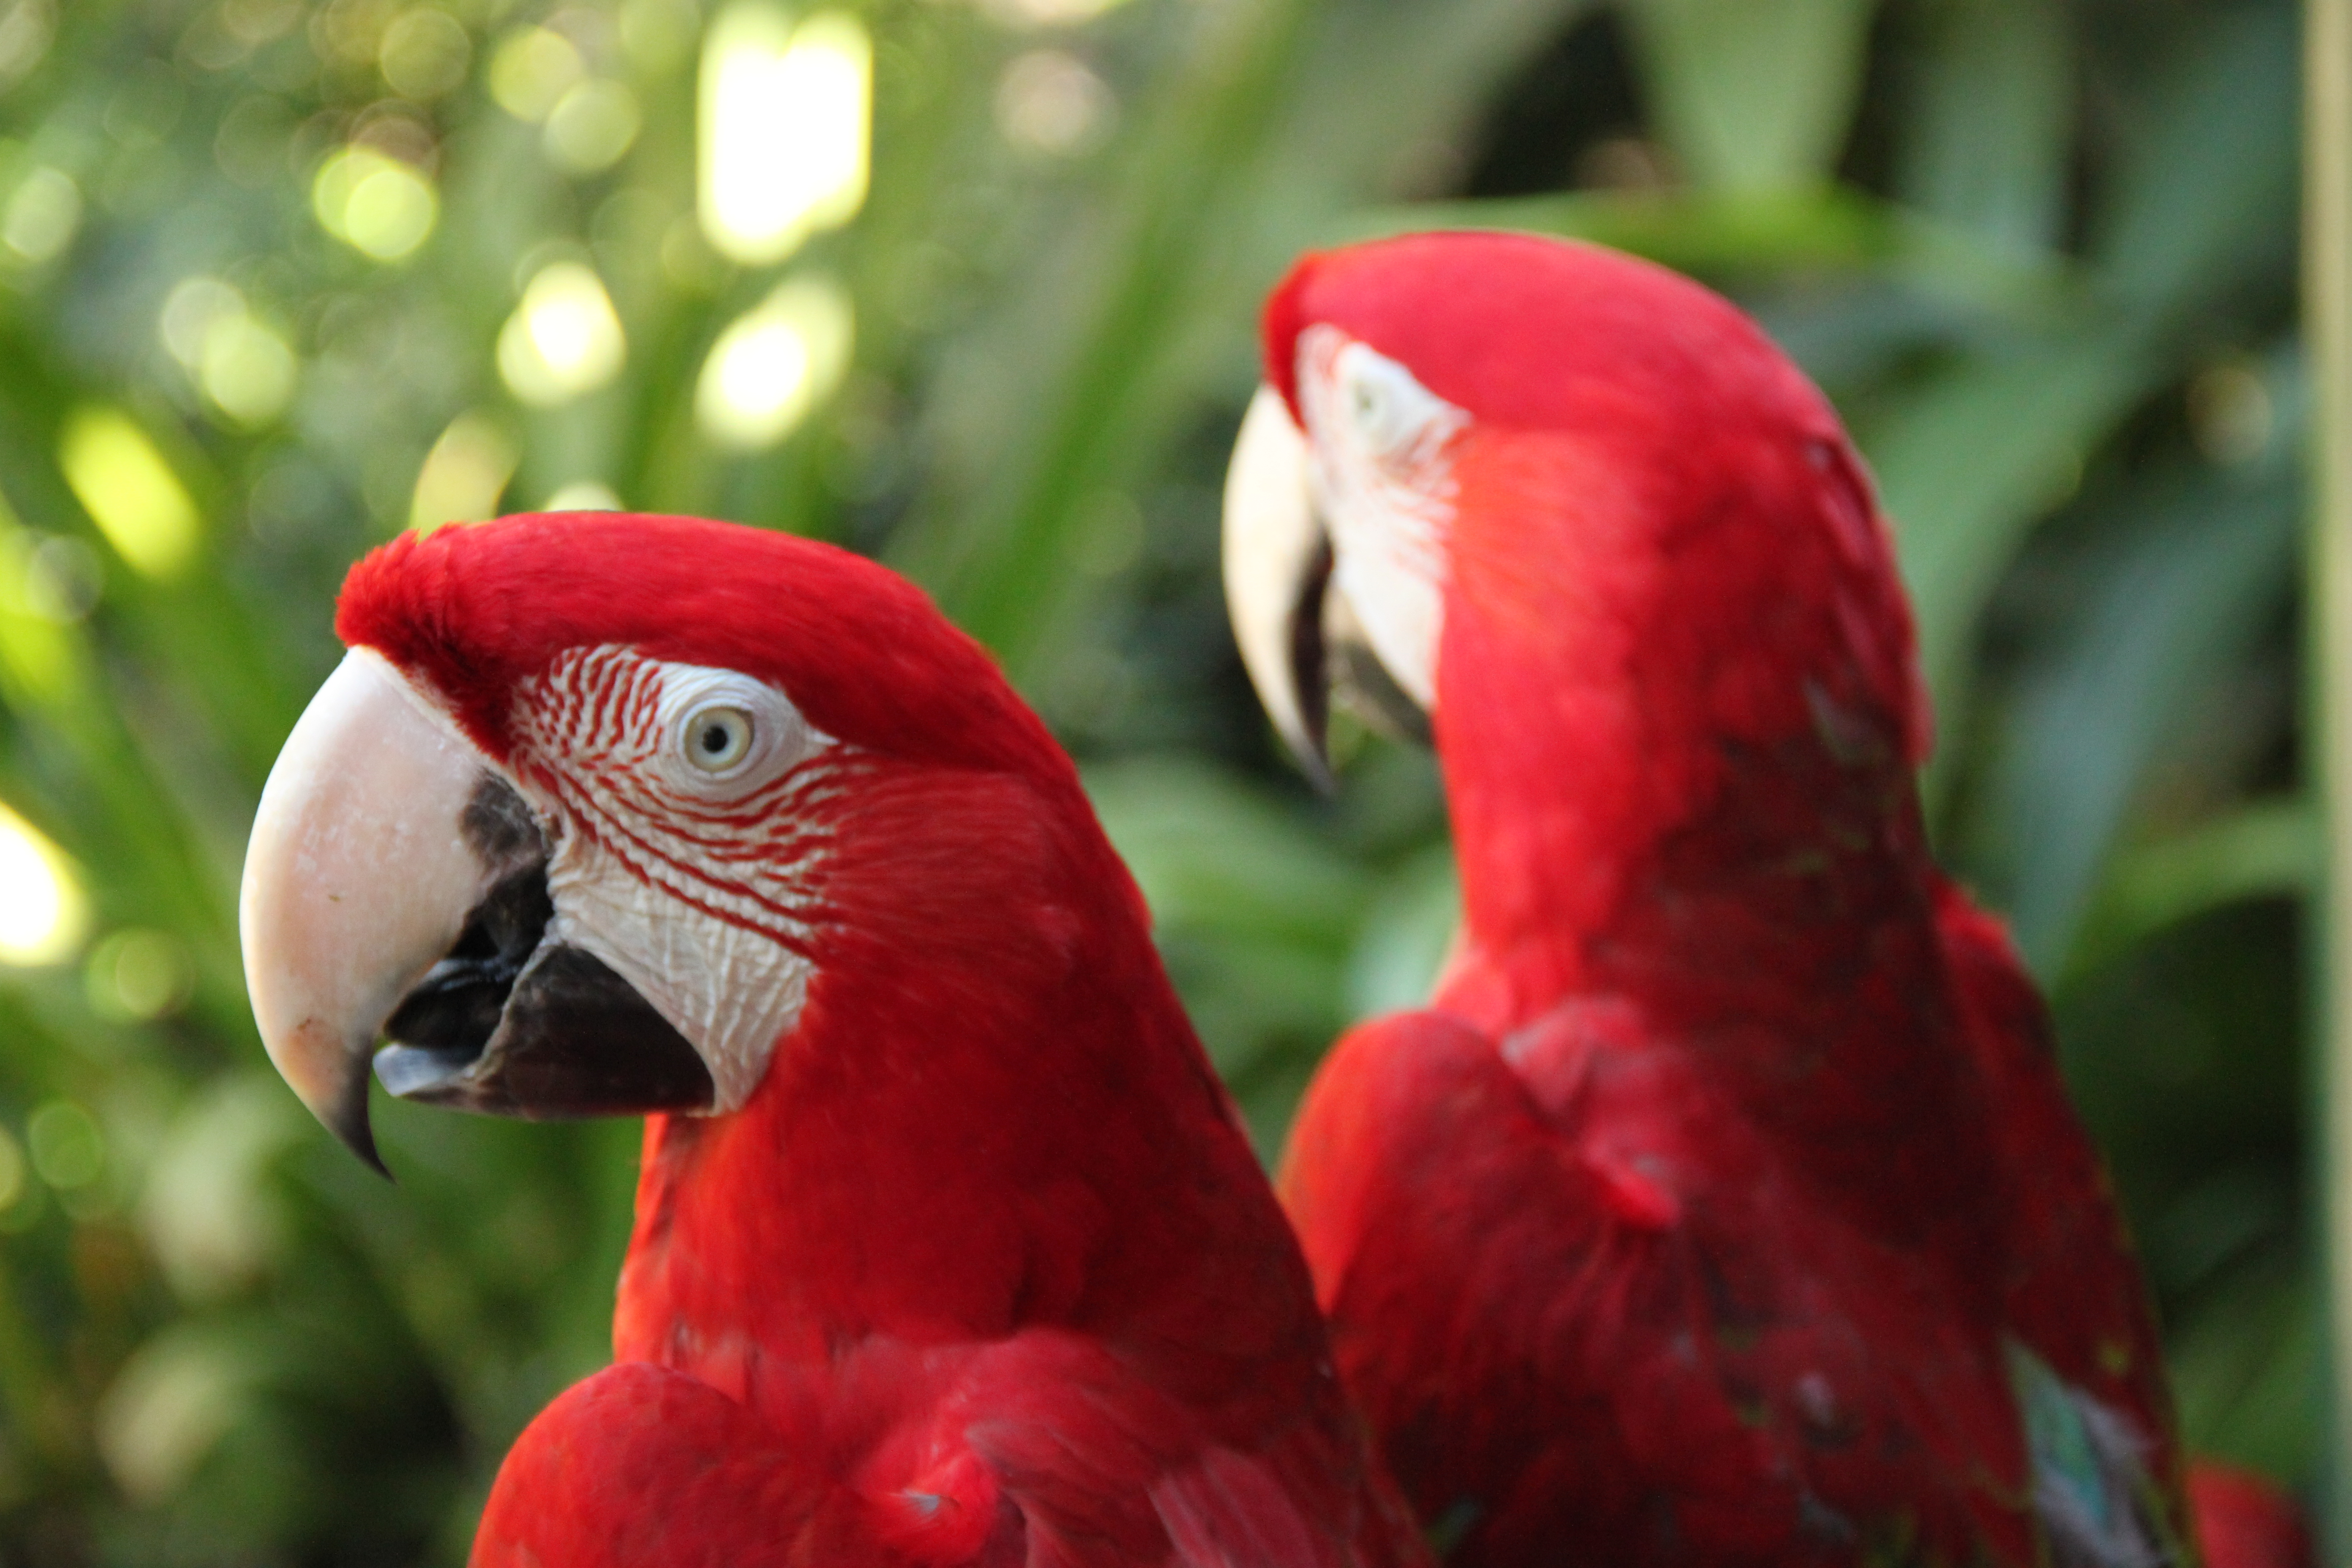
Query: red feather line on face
x,y
585,734
474,612
985,1270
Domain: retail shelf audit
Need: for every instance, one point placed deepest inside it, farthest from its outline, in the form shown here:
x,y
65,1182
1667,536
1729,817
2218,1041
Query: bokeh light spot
x,y
1048,100
189,311
172,1403
774,363
531,71
583,495
248,371
11,1171
465,473
68,1149
1046,13
130,491
206,1205
259,21
25,28
423,54
139,976
252,142
42,214
378,205
61,577
785,119
42,914
592,127
564,340
2230,414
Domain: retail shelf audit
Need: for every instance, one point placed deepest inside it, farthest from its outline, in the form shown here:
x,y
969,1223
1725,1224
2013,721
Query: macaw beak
x,y
1299,636
395,888
1277,565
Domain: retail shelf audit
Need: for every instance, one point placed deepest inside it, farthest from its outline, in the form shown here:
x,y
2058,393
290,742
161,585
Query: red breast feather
x,y
985,1271
1726,1206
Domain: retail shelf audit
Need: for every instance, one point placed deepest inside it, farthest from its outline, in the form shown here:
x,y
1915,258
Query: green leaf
x,y
998,572
1975,454
1208,849
1745,234
2207,197
1985,147
2248,1373
1408,931
1752,97
2276,848
2171,608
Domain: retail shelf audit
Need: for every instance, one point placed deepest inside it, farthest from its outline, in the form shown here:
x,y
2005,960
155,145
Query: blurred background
x,y
970,285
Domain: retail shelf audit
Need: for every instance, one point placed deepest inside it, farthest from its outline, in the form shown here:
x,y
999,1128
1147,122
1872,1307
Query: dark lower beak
x,y
396,887
512,1025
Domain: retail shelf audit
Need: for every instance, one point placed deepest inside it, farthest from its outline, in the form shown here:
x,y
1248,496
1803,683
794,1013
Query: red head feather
x,y
863,653
1671,611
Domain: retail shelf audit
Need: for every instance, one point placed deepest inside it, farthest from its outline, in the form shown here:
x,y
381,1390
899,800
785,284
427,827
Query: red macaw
x,y
949,1247
2244,1520
1724,1205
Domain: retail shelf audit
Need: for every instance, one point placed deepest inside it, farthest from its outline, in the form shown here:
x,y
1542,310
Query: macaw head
x,y
593,801
1483,464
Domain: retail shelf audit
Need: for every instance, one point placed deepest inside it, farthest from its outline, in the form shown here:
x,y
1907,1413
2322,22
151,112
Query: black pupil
x,y
714,739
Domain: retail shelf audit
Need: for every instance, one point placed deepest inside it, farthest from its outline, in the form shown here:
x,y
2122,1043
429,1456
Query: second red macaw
x,y
1724,1205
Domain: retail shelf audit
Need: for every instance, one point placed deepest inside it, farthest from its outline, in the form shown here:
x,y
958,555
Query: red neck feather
x,y
991,1117
1679,726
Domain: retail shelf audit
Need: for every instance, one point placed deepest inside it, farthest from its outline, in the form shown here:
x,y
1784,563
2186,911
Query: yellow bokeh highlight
x,y
377,205
11,1171
564,340
774,363
583,495
786,123
1046,13
43,915
130,491
244,366
41,216
592,127
38,655
532,70
138,975
464,475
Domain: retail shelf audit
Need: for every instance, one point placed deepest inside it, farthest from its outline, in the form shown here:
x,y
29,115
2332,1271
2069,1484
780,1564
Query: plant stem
x,y
2327,267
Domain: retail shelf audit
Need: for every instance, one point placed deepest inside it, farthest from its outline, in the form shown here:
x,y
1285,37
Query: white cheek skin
x,y
1383,482
702,912
732,993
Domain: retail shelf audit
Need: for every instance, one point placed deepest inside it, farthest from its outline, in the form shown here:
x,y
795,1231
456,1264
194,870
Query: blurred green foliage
x,y
2042,252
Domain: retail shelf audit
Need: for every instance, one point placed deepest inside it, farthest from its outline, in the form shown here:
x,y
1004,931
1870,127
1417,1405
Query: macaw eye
x,y
1394,415
718,738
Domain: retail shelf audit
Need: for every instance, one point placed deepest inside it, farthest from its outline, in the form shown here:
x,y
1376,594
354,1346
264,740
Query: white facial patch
x,y
1383,480
680,802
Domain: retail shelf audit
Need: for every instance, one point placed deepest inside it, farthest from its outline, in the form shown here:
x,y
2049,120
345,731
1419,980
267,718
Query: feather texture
x,y
1726,1206
983,1271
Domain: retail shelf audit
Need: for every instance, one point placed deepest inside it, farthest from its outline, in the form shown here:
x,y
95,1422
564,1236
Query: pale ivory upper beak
x,y
1277,561
358,878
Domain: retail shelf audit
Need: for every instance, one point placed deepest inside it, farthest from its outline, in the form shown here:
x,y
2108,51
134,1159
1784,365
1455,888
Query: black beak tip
x,y
349,1124
1315,764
